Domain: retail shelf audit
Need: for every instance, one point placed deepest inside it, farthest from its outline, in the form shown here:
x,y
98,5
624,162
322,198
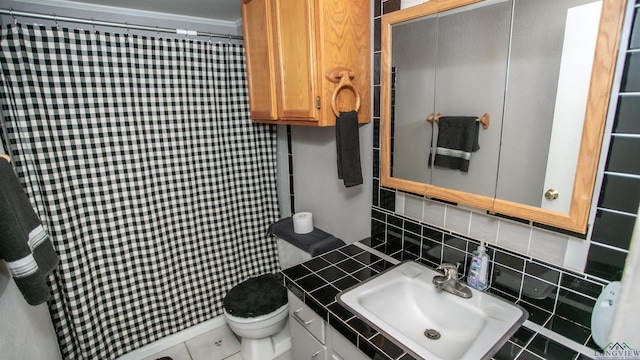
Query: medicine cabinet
x,y
541,69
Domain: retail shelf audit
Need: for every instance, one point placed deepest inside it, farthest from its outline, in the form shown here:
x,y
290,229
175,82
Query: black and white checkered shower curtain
x,y
146,171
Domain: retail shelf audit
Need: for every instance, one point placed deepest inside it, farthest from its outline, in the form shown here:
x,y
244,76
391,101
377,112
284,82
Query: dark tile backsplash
x,y
377,24
627,115
387,199
620,193
634,42
613,229
621,148
390,6
605,263
377,8
630,81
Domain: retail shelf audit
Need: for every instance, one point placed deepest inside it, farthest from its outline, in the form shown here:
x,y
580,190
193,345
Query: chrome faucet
x,y
449,281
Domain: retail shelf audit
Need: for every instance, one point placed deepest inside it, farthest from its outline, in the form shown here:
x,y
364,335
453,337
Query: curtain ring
x,y
15,20
127,24
229,40
158,32
55,20
210,38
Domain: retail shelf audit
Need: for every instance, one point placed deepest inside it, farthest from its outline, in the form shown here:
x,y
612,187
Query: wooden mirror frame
x,y
593,130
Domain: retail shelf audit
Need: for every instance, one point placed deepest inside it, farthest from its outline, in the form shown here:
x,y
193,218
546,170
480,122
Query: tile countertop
x,y
319,280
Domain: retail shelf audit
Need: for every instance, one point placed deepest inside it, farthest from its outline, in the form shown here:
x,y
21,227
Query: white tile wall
x,y
548,246
457,220
514,236
413,206
576,256
400,202
484,227
433,213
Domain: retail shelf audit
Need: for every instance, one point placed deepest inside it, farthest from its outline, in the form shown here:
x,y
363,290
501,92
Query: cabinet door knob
x,y
315,354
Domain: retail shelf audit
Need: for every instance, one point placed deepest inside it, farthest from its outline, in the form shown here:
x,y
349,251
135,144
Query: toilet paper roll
x,y
303,223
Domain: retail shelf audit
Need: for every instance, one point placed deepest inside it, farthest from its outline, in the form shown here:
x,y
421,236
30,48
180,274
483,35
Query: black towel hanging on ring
x,y
348,148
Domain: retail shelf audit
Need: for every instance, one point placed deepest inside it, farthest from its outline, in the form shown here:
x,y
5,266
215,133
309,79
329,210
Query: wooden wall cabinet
x,y
299,52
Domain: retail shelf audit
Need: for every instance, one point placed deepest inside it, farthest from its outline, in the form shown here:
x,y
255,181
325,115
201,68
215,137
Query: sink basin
x,y
403,304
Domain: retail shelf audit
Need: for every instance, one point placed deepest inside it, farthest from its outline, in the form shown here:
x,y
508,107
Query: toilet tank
x,y
290,255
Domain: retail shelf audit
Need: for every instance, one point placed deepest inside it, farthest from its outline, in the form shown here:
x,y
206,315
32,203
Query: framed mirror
x,y
543,77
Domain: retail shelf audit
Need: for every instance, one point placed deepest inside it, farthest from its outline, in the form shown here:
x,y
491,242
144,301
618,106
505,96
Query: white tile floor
x,y
217,344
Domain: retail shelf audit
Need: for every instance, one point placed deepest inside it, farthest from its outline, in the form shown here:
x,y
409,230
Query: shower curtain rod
x,y
127,26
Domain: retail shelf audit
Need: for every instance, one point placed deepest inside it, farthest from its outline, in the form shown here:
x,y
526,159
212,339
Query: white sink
x,y
402,303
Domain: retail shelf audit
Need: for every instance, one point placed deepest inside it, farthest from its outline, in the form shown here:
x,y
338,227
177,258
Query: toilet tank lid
x,y
315,243
255,296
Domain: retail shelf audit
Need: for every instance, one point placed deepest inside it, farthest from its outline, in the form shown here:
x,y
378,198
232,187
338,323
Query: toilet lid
x,y
255,296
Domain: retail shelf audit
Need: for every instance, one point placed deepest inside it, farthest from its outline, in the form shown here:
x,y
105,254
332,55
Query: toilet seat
x,y
274,315
257,311
255,297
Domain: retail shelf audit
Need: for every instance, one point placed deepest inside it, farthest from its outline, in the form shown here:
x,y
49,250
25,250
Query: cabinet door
x,y
296,85
261,58
304,345
344,41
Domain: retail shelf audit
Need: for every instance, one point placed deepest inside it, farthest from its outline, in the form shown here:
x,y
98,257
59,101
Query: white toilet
x,y
257,311
262,321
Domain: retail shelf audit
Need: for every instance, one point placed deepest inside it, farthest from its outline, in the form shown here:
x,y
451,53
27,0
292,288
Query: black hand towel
x,y
348,148
24,244
457,139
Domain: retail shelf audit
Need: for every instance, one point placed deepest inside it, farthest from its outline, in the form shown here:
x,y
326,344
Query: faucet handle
x,y
450,270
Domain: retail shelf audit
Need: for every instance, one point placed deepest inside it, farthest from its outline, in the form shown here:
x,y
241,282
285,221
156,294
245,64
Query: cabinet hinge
x,y
318,102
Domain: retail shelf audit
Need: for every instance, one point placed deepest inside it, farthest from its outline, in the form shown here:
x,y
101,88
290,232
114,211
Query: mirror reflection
x,y
549,75
526,63
454,64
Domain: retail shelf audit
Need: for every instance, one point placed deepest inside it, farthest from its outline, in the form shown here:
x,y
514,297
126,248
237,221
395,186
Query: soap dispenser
x,y
477,277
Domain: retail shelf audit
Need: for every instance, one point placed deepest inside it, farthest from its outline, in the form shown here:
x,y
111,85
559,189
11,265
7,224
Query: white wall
x,y
340,211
